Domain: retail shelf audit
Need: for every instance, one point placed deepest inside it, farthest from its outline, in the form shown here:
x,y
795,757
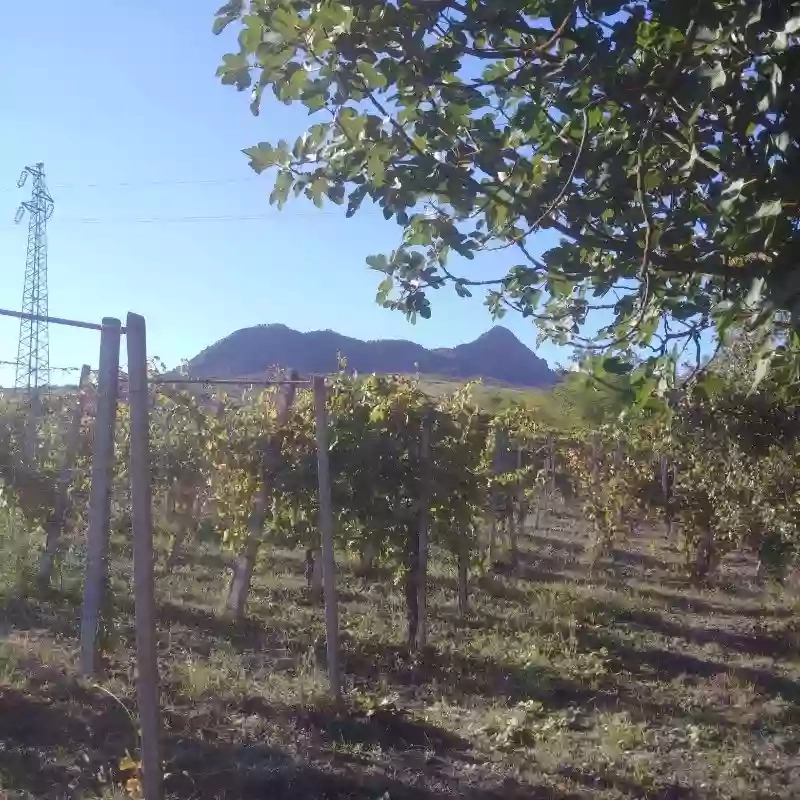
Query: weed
x,y
10,673
619,735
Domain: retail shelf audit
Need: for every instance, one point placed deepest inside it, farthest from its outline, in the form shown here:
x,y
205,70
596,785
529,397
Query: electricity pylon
x,y
33,350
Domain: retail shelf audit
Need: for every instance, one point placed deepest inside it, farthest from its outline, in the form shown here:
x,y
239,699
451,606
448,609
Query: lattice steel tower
x,y
33,352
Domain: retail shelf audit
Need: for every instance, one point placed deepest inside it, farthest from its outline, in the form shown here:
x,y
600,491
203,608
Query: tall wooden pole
x,y
147,689
422,536
326,534
95,586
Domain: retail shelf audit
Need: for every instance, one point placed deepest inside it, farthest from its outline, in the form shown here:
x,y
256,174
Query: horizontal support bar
x,y
225,382
72,323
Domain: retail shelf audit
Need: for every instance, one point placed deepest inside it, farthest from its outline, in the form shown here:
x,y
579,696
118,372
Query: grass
x,y
627,682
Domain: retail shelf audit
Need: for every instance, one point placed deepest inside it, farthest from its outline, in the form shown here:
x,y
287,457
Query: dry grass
x,y
560,684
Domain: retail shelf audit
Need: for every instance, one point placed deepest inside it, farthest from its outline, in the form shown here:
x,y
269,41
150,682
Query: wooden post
x,y
515,522
497,469
95,586
422,535
55,524
463,577
245,564
326,534
147,689
667,494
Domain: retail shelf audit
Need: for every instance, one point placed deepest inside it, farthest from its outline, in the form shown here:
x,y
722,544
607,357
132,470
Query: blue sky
x,y
136,133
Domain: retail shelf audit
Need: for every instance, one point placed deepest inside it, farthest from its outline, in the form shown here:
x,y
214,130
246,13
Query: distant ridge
x,y
496,356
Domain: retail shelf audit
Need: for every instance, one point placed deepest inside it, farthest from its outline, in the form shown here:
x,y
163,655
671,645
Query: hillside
x,y
496,356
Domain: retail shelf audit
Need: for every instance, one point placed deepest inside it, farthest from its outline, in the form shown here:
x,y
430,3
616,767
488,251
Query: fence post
x,y
463,577
666,490
326,534
147,690
497,469
56,522
422,536
95,586
515,520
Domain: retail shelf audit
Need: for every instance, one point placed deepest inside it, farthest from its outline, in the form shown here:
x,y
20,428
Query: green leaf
x,y
283,185
378,262
769,208
372,77
715,73
762,368
783,140
617,366
233,62
264,155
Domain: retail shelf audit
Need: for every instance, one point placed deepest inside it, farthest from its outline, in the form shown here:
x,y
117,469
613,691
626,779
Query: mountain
x,y
495,356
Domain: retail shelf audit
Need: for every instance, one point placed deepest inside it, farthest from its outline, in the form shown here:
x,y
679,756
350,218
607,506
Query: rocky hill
x,y
496,356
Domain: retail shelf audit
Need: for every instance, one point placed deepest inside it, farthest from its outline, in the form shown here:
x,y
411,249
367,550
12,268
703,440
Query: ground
x,y
561,683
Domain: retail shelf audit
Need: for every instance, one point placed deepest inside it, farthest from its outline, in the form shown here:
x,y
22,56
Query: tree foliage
x,y
657,139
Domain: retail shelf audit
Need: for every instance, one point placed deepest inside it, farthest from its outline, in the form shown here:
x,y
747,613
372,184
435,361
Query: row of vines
x,y
721,471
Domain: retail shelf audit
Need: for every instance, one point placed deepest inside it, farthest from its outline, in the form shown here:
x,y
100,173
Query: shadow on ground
x,y
70,745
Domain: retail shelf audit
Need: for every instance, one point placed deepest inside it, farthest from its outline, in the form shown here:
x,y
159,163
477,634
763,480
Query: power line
x,y
52,369
179,220
143,184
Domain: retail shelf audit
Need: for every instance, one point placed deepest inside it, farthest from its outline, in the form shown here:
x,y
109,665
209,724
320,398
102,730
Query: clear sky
x,y
137,134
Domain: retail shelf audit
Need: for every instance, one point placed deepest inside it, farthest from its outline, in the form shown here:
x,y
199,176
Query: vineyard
x,y
523,610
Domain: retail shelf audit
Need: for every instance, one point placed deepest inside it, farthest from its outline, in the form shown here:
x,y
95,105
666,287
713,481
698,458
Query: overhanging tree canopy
x,y
659,139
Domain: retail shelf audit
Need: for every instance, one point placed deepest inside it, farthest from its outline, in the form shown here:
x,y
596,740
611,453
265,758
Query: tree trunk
x,y
492,537
243,571
176,547
366,559
182,518
245,564
704,558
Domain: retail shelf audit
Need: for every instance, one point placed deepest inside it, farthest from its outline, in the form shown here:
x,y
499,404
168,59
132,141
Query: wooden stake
x,y
497,469
667,494
463,577
95,579
57,521
516,521
147,689
422,535
326,534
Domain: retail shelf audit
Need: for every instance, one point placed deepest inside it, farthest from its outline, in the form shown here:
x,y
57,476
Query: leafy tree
x,y
657,139
588,400
738,475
